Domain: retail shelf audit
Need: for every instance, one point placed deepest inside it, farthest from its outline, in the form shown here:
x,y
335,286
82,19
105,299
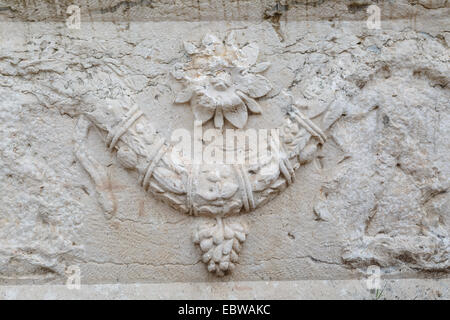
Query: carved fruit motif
x,y
221,244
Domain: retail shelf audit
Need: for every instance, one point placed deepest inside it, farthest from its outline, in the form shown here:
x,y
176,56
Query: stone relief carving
x,y
221,81
220,244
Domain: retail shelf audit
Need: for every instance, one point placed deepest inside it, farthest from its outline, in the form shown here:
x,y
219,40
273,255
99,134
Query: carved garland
x,y
221,82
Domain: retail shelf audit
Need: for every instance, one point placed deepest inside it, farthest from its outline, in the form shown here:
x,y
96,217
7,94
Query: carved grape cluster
x,y
220,244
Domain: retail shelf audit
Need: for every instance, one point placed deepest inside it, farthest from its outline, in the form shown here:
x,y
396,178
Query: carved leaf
x,y
169,180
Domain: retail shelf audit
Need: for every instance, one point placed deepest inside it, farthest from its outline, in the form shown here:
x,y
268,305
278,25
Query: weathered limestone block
x,y
86,155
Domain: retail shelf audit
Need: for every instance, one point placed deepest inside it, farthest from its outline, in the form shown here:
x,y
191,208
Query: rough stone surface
x,y
377,194
414,289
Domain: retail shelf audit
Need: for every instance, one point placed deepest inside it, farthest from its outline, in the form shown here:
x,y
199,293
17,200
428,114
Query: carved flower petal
x,y
237,115
184,96
251,52
218,118
255,86
252,105
202,113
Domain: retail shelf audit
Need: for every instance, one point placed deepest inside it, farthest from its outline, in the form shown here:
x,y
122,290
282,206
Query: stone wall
x,y
375,194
